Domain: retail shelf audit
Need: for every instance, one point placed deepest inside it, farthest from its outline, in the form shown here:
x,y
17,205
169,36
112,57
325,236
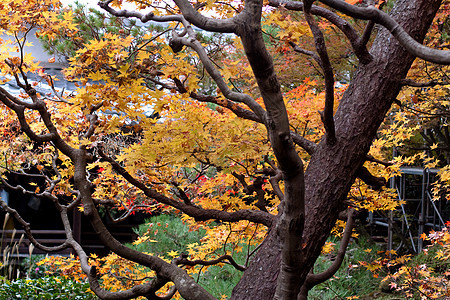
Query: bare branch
x,y
192,42
144,289
358,45
375,182
410,82
27,229
209,24
196,212
327,114
255,187
133,14
182,259
315,279
378,161
306,52
226,103
380,17
10,97
20,112
275,177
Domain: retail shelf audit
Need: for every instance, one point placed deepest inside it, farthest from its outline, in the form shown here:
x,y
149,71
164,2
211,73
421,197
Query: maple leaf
x,y
172,253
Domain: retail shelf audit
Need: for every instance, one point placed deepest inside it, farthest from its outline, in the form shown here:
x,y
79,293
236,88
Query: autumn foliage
x,y
168,120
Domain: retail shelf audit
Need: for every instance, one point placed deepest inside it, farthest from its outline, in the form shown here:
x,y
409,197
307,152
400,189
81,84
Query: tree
x,y
207,146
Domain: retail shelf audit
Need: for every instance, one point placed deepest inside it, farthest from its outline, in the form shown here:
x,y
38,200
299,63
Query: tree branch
x,y
378,161
194,211
255,187
297,49
193,43
358,45
226,103
315,279
380,17
376,183
209,24
327,114
431,83
182,259
27,229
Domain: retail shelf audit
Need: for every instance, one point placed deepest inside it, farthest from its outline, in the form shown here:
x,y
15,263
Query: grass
x,y
351,279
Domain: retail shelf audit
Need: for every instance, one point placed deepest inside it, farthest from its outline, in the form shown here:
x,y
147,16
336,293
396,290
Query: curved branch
x,y
136,291
92,118
306,144
10,97
24,126
38,105
297,49
134,14
44,194
209,24
275,177
190,14
226,103
378,161
27,229
193,43
380,17
358,44
327,114
182,259
315,279
431,83
255,187
196,212
375,182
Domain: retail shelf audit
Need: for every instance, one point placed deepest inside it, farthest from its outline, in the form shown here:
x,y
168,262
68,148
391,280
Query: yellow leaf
x,y
172,253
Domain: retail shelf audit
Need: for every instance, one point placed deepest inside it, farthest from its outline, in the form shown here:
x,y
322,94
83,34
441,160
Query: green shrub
x,y
170,233
45,288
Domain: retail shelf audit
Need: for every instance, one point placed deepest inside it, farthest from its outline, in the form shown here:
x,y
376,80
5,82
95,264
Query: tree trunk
x,y
331,170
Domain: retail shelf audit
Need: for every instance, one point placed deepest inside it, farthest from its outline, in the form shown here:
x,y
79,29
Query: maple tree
x,y
417,280
243,155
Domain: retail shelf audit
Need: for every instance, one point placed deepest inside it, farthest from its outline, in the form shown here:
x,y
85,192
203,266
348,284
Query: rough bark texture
x,y
332,169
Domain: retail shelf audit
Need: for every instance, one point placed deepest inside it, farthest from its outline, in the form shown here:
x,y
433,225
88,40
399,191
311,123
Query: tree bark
x,y
332,168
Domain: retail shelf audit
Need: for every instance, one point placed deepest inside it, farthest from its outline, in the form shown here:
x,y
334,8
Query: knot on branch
x,y
179,85
147,17
255,186
31,92
176,45
284,137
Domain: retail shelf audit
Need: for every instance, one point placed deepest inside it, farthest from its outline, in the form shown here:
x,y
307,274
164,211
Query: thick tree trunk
x,y
332,169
